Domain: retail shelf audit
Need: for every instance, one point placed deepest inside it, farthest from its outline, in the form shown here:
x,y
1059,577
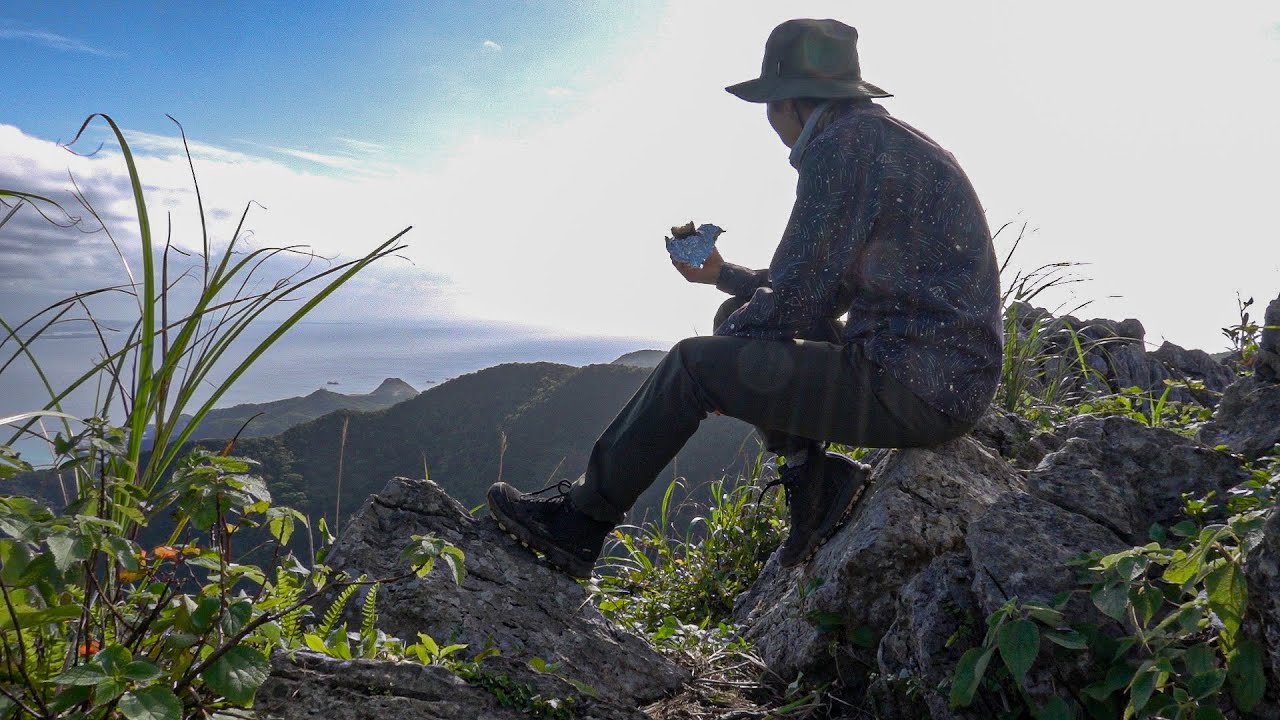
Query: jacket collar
x,y
811,125
806,134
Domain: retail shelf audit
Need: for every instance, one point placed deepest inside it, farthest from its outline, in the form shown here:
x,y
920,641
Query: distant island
x,y
276,416
641,358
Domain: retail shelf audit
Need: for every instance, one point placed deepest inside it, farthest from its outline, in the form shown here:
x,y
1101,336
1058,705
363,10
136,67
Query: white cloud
x,y
361,146
339,215
490,46
51,40
337,162
559,92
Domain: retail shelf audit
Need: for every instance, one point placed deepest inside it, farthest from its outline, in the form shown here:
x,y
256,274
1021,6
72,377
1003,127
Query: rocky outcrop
x,y
918,507
1267,363
309,685
315,686
943,537
948,535
509,598
1116,357
1247,420
1262,570
919,650
1126,476
1015,438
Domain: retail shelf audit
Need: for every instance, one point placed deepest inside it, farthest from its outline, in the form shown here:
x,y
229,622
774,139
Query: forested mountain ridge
x,y
550,415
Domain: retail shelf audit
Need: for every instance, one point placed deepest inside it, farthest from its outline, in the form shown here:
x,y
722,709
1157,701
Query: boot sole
x,y
824,535
554,554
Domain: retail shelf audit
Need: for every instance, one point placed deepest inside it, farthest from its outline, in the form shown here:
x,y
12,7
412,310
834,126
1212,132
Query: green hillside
x,y
550,414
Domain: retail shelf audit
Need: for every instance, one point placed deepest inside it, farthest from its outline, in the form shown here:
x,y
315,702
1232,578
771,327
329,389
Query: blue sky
x,y
403,75
541,149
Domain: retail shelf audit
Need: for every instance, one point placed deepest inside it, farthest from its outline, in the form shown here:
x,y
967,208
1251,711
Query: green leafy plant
x,y
653,573
1043,363
1176,650
130,599
1245,334
1152,411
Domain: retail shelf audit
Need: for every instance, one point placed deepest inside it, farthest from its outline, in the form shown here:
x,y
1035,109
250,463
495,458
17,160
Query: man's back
x,y
924,280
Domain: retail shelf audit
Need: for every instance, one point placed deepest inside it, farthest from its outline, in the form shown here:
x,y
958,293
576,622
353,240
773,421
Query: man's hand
x,y
708,274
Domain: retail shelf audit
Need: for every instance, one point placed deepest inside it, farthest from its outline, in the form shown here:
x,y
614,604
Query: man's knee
x,y
686,352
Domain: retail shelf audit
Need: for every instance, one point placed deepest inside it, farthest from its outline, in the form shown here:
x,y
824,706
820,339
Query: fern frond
x,y
334,613
287,591
369,616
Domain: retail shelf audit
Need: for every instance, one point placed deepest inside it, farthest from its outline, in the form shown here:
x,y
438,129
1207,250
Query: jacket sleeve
x,y
739,281
829,223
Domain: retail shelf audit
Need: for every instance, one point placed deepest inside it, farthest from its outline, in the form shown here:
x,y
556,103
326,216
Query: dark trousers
x,y
796,392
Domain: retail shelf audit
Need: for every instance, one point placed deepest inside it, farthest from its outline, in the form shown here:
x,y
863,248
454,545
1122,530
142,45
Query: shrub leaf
x,y
237,674
153,703
1019,643
1244,674
968,675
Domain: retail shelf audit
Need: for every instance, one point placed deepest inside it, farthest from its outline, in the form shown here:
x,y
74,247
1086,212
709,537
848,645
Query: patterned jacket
x,y
887,229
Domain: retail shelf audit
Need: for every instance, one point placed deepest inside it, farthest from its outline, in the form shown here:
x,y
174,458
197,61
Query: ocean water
x,y
349,357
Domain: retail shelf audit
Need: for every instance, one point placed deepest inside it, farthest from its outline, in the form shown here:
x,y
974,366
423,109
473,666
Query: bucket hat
x,y
809,59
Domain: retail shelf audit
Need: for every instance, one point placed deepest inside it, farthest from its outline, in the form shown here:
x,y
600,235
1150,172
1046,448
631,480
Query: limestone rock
x,y
311,685
1021,547
917,508
1262,569
1247,419
1126,476
935,609
510,598
1267,363
1115,353
1194,365
1015,438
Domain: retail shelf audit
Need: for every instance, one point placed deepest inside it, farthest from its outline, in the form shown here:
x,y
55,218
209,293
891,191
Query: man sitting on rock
x,y
885,228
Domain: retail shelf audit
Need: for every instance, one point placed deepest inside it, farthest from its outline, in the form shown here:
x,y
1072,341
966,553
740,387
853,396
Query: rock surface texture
x,y
948,535
1248,417
317,686
1263,622
1267,365
918,507
1126,476
1116,355
509,598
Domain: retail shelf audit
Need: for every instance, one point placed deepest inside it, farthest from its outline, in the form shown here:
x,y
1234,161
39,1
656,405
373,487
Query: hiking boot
x,y
569,538
820,495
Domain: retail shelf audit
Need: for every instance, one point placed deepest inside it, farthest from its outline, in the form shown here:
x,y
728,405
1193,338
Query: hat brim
x,y
761,90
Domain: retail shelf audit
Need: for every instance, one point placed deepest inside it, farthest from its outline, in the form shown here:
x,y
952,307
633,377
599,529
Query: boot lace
x,y
562,489
787,477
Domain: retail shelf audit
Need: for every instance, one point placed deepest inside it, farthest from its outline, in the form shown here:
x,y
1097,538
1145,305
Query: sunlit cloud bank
x,y
333,216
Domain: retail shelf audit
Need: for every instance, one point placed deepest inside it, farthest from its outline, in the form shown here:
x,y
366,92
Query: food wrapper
x,y
690,246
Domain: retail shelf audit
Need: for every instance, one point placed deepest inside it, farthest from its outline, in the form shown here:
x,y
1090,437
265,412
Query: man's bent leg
x,y
737,376
778,442
645,435
806,389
